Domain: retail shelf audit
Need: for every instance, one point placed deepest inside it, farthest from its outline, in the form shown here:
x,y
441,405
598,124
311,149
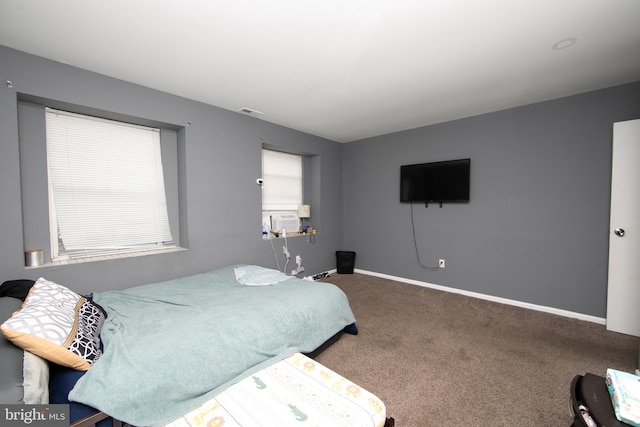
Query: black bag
x,y
590,392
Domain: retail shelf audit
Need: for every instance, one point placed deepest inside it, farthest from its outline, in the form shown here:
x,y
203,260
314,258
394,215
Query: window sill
x,y
290,234
97,258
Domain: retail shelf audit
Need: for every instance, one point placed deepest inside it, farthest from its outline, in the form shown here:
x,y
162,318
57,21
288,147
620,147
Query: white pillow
x,y
35,374
253,275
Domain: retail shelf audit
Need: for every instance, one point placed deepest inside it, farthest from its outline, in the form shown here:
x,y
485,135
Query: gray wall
x,y
536,228
220,160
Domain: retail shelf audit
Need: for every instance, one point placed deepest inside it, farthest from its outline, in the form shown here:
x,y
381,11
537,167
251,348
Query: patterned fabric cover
x,y
297,391
57,324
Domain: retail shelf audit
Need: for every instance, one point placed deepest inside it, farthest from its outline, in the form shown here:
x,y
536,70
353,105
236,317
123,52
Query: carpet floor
x,y
443,359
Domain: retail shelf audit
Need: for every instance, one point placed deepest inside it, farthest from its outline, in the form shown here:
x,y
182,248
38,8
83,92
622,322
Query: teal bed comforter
x,y
171,346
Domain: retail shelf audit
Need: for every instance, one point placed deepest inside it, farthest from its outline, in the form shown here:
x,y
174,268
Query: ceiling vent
x,y
251,112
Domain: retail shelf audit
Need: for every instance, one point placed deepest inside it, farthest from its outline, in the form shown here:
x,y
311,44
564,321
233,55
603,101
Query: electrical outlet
x,y
441,263
298,260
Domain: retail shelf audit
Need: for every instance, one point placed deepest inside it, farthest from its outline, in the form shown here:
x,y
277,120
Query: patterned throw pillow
x,y
57,324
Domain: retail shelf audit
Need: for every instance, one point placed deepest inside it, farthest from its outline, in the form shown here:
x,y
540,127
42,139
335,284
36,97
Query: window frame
x,y
293,170
105,185
34,184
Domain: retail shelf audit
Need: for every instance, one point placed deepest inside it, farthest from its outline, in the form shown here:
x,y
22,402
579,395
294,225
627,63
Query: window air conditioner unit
x,y
289,222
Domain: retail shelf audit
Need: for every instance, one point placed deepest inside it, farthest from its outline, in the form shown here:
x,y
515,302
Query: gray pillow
x,y
11,358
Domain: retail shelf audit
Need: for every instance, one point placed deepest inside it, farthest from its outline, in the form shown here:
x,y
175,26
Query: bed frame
x,y
91,420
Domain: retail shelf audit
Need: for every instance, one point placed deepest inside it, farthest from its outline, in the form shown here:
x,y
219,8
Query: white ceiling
x,y
341,69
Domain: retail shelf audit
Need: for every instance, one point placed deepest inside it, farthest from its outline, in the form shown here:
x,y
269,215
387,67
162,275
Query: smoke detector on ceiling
x,y
251,112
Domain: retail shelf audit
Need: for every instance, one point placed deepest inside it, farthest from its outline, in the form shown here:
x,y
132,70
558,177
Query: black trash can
x,y
345,261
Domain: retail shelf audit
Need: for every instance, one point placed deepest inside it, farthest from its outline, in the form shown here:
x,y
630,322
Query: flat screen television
x,y
438,182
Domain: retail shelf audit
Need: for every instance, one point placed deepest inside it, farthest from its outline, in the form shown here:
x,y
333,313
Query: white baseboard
x,y
516,303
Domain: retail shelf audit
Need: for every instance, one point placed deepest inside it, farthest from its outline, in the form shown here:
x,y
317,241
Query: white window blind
x,y
106,186
282,186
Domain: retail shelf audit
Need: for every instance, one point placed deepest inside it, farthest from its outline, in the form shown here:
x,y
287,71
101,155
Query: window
x,y
282,185
106,187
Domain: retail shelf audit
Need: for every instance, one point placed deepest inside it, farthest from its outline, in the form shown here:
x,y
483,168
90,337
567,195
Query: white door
x,y
623,296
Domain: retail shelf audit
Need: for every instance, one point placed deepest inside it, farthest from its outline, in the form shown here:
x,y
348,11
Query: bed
x,y
148,355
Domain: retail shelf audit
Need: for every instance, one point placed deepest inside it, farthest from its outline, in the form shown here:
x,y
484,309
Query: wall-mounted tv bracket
x,y
426,204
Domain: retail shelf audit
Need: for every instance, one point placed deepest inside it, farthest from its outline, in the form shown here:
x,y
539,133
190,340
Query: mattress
x,y
296,391
234,330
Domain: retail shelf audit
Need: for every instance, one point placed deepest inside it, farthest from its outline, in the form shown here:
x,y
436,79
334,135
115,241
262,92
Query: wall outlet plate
x,y
441,263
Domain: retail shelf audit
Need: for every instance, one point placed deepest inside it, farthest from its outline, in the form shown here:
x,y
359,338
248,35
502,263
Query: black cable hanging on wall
x,y
415,244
